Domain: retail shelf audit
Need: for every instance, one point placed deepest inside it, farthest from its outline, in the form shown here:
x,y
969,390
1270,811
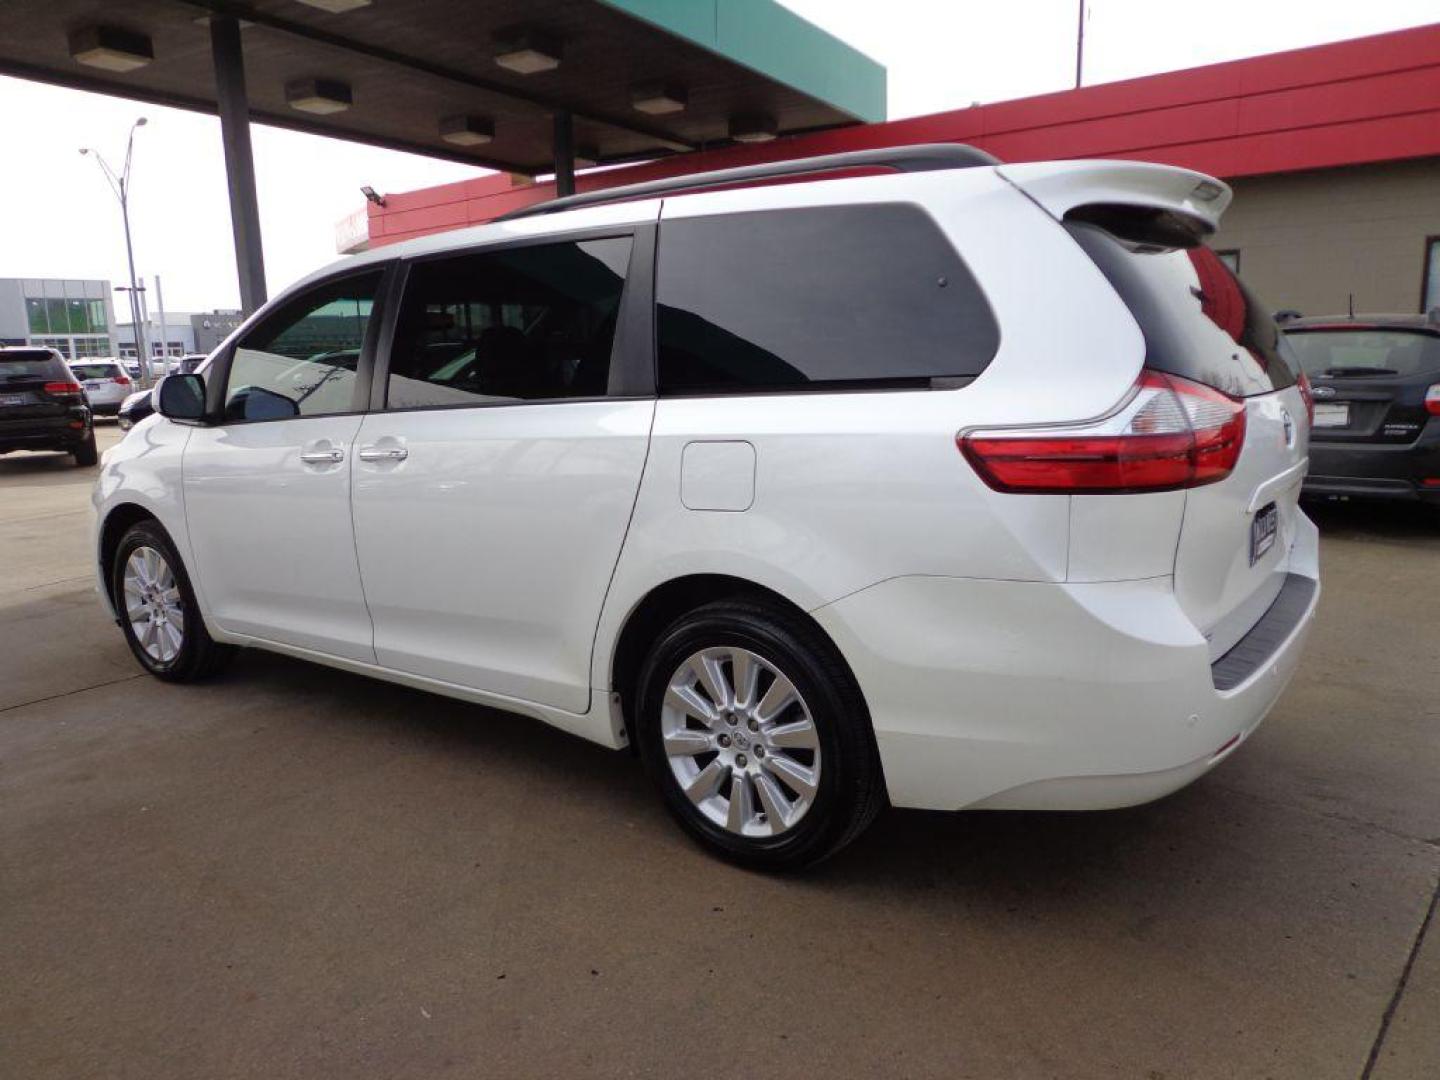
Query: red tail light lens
x,y
63,389
1173,433
121,380
1432,400
1309,395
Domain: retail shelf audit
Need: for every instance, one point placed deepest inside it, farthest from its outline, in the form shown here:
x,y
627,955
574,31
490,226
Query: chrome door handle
x,y
322,457
383,453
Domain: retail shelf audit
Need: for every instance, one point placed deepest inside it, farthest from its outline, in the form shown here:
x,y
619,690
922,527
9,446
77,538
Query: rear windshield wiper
x,y
1355,372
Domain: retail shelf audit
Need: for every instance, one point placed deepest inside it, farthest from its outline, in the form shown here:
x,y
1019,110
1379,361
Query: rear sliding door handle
x,y
322,457
383,453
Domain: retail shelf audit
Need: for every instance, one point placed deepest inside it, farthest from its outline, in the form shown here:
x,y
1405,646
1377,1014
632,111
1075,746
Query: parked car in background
x,y
43,406
106,384
190,363
971,485
1376,383
136,407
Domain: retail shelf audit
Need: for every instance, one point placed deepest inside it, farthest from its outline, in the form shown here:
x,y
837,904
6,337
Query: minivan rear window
x,y
1337,354
820,298
1200,321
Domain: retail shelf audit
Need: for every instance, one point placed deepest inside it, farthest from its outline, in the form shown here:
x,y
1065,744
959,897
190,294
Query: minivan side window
x,y
529,323
822,298
302,360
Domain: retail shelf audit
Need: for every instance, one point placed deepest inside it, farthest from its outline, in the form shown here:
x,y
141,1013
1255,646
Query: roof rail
x,y
928,157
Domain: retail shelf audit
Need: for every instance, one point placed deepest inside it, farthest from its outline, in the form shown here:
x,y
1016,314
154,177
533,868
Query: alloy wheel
x,y
741,742
153,604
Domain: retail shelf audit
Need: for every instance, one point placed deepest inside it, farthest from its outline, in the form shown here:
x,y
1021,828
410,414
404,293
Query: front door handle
x,y
323,457
383,453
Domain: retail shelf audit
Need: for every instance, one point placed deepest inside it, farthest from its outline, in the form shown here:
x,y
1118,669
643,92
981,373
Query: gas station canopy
x,y
478,81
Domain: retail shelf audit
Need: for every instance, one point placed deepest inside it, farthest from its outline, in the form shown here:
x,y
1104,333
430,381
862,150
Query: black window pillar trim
x,y
632,356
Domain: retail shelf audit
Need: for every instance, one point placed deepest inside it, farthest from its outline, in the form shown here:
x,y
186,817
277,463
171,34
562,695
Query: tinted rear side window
x,y
814,299
1199,320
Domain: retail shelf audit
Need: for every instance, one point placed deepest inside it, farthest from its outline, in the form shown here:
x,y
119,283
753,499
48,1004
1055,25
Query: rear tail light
x,y
1309,395
63,389
121,380
1172,433
1432,400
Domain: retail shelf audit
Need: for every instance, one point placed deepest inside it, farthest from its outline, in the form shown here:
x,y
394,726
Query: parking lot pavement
x,y
293,872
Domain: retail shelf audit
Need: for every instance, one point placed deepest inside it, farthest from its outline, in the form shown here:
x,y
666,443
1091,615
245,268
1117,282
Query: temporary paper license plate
x,y
1262,531
1332,414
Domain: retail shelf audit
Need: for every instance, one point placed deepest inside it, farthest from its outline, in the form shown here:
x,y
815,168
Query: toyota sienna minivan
x,y
944,483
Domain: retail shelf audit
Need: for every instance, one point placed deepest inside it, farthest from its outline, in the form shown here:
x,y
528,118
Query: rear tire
x,y
781,771
87,453
157,609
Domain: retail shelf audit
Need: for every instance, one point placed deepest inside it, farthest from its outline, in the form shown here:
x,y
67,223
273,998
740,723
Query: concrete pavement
x,y
293,872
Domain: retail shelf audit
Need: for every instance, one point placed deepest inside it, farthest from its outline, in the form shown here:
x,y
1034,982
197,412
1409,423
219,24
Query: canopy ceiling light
x,y
319,96
336,7
752,127
467,130
658,99
110,48
526,51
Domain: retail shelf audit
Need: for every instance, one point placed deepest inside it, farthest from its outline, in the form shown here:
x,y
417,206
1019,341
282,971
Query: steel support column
x,y
234,108
564,155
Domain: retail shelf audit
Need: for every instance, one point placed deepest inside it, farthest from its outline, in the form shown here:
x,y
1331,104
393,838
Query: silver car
x,y
106,384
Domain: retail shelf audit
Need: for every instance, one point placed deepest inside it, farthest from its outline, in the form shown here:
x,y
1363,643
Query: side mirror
x,y
181,397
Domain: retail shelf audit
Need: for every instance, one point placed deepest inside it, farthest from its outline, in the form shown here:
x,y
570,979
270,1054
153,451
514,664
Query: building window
x,y
1231,258
39,319
1430,278
59,344
98,323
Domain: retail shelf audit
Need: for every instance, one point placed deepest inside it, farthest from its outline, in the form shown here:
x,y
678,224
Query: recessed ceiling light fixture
x,y
526,51
319,96
336,7
467,130
658,99
110,48
752,127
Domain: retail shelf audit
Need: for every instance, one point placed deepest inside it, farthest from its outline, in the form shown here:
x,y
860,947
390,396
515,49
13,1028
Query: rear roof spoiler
x,y
1086,190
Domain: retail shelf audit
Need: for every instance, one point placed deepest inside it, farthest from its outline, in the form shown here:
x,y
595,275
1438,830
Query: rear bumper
x,y
46,432
1377,470
1027,695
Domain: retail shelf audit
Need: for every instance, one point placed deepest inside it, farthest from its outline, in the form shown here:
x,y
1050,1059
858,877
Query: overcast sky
x,y
58,218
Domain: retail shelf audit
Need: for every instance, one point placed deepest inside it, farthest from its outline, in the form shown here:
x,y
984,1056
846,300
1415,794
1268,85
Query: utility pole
x,y
164,330
120,185
1080,47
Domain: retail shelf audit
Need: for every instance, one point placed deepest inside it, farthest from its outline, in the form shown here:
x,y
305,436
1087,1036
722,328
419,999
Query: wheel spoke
x,y
746,674
740,806
687,742
797,735
706,782
794,775
686,700
712,678
171,645
776,700
776,805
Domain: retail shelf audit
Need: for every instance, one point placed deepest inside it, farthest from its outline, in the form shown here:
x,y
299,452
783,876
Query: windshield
x,y
1338,354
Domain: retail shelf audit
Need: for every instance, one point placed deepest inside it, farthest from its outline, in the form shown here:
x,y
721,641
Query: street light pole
x,y
121,186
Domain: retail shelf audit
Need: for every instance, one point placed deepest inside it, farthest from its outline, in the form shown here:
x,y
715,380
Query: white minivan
x,y
955,485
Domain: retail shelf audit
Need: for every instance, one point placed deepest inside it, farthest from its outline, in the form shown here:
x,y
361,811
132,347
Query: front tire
x,y
157,609
757,736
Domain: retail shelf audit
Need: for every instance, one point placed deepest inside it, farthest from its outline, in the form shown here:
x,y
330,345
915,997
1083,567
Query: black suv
x,y
1376,381
42,407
